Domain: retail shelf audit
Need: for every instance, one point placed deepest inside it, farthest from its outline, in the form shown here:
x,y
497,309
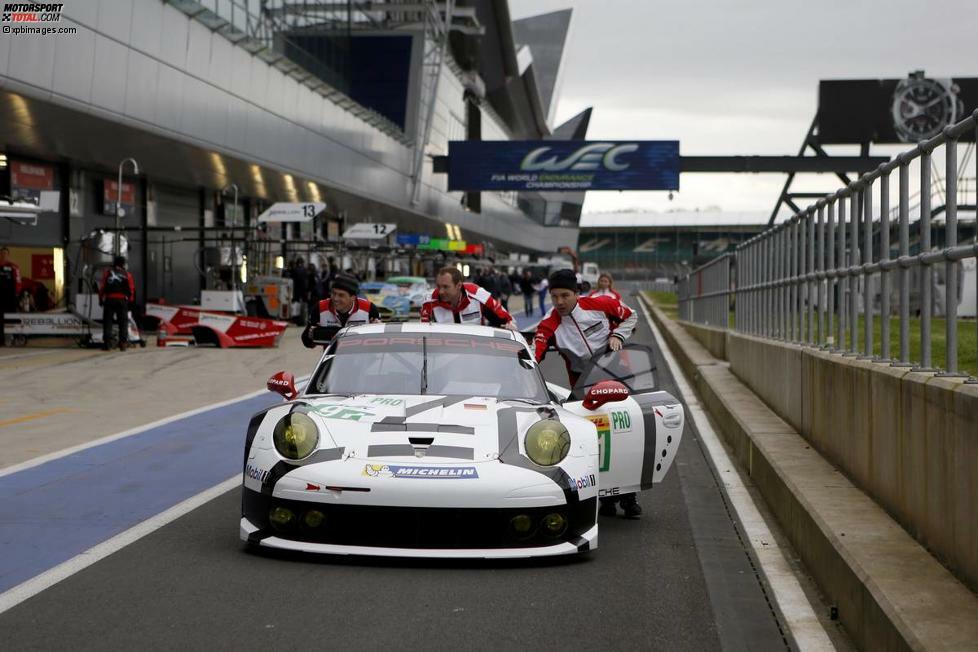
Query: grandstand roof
x,y
673,218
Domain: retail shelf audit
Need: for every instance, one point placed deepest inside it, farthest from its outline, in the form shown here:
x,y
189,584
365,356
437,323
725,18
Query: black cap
x,y
347,283
119,261
564,279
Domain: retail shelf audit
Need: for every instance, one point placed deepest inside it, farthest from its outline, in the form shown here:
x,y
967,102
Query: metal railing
x,y
813,278
704,294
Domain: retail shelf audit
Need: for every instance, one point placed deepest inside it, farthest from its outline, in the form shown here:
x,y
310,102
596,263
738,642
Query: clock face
x,y
922,107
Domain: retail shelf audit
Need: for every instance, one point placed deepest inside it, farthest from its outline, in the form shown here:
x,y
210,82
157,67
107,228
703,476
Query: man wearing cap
x,y
342,308
579,328
463,303
115,293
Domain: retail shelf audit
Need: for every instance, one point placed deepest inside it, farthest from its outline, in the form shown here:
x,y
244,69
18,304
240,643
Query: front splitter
x,y
587,541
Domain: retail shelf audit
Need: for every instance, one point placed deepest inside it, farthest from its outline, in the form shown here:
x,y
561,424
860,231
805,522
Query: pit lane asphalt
x,y
679,579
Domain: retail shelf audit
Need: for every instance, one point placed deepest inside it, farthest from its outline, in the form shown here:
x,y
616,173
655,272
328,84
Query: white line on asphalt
x,y
794,605
66,569
37,461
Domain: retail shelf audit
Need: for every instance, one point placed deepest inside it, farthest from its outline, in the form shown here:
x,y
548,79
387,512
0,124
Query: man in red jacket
x,y
463,303
342,308
579,328
115,293
10,283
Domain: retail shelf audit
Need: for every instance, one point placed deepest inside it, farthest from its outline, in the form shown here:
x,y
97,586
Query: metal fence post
x,y
951,266
843,279
926,271
810,285
789,275
904,253
768,258
868,322
785,257
819,282
830,283
885,273
854,204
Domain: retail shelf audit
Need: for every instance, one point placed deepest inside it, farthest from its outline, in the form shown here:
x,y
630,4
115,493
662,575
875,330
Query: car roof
x,y
418,327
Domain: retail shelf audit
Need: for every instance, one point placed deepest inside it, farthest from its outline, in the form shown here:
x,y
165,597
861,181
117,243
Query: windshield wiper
x,y
424,364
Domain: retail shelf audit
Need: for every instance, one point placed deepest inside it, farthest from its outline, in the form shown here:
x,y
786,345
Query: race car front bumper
x,y
417,532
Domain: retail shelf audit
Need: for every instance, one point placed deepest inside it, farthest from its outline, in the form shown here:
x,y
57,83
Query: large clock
x,y
923,107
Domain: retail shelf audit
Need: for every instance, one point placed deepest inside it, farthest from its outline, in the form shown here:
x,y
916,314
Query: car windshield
x,y
436,363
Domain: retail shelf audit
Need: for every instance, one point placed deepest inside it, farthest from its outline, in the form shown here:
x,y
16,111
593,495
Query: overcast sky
x,y
740,77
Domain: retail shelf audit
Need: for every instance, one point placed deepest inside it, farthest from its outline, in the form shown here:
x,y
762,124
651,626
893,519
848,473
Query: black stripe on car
x,y
509,450
398,424
648,402
278,471
457,452
390,450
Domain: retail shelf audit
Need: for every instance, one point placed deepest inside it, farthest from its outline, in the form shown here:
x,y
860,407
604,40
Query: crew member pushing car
x,y
342,308
115,293
463,303
579,328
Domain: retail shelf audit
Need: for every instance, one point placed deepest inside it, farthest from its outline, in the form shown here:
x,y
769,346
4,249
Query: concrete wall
x,y
712,338
909,440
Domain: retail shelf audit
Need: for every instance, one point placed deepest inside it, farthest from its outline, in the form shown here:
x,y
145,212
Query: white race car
x,y
427,440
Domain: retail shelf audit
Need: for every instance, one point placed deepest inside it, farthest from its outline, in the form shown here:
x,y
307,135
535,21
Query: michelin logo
x,y
422,472
586,159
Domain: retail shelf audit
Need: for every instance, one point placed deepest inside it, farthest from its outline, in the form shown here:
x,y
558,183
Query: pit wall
x,y
908,439
712,338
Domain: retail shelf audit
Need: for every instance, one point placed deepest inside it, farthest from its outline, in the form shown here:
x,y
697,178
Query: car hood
x,y
435,428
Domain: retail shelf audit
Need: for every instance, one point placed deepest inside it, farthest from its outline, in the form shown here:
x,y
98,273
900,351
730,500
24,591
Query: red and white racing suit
x,y
363,312
475,306
604,293
585,331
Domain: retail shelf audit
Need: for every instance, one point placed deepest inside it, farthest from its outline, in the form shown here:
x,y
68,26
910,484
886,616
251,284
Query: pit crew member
x,y
10,283
115,293
580,327
606,287
463,303
342,308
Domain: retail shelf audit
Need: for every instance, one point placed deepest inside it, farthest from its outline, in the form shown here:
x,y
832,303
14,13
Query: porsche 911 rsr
x,y
428,440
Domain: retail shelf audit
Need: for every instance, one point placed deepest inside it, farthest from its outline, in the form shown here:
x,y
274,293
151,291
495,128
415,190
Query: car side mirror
x,y
606,391
283,383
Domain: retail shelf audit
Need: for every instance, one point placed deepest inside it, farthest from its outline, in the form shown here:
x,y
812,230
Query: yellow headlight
x,y
296,436
547,442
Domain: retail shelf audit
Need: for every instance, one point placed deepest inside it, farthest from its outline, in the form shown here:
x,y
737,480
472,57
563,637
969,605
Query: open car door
x,y
638,437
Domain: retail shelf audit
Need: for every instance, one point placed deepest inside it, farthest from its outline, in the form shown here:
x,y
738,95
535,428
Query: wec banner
x,y
569,165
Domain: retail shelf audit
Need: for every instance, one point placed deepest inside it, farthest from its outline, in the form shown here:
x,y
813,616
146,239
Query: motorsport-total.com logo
x,y
31,12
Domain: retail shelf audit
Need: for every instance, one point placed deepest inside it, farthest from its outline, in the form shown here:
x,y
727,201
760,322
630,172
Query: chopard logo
x,y
587,158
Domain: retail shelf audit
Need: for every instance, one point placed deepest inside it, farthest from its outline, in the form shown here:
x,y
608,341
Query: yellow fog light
x,y
313,518
281,517
522,525
554,524
295,436
547,442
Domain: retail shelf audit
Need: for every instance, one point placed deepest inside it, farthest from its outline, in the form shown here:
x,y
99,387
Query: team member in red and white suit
x,y
342,308
606,287
463,303
580,327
